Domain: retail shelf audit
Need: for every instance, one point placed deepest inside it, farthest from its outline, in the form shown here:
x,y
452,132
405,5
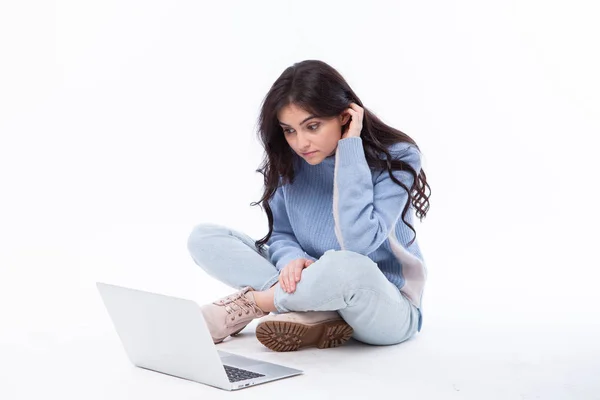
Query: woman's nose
x,y
302,142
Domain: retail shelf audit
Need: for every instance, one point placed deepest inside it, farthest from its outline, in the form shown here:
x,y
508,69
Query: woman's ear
x,y
344,118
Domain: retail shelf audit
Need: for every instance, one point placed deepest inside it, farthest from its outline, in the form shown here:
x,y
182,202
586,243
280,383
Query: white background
x,y
125,123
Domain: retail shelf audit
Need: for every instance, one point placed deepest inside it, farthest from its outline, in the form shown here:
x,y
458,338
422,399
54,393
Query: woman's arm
x,y
283,245
366,212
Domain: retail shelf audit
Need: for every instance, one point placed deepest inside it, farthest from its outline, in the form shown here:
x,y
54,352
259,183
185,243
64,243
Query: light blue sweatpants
x,y
341,280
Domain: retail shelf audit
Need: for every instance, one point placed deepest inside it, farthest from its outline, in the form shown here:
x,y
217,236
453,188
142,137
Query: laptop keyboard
x,y
237,374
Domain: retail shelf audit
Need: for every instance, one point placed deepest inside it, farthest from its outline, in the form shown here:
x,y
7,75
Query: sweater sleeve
x,y
365,211
283,245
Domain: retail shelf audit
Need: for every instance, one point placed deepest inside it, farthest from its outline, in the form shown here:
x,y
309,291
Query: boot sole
x,y
217,341
291,336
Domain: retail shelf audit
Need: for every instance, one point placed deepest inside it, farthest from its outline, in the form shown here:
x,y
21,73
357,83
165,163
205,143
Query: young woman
x,y
340,259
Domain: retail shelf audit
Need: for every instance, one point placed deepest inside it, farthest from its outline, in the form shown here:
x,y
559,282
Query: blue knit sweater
x,y
342,204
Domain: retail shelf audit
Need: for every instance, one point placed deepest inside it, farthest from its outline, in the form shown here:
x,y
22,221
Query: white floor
x,y
57,340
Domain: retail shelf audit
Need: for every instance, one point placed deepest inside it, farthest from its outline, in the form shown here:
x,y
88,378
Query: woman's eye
x,y
313,127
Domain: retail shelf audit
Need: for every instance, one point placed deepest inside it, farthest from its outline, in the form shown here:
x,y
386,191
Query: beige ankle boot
x,y
229,315
295,330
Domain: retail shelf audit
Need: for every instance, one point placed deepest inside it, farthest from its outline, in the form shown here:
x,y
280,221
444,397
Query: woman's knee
x,y
379,339
382,325
202,231
348,265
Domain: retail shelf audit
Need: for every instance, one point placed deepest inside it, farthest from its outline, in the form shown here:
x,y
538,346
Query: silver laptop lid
x,y
165,334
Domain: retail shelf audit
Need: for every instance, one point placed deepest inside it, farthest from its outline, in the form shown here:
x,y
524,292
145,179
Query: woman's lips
x,y
309,154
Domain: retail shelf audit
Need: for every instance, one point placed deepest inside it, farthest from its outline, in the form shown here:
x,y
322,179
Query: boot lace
x,y
238,305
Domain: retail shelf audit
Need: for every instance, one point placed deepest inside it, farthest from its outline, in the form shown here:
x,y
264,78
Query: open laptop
x,y
169,335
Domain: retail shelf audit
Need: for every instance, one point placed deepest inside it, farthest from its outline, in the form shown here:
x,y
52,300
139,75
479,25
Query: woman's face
x,y
306,133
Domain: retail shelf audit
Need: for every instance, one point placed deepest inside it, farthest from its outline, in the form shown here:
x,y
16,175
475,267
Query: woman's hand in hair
x,y
354,128
290,274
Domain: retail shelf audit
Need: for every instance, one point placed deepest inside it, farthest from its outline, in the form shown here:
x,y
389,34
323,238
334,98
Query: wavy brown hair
x,y
319,89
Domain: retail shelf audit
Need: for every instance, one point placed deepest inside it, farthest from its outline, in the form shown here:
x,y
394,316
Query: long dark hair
x,y
319,89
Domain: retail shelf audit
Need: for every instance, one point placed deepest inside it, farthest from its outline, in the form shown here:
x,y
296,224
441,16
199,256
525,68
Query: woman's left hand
x,y
356,113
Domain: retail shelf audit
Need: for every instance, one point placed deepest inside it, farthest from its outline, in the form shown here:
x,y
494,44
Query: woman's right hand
x,y
290,274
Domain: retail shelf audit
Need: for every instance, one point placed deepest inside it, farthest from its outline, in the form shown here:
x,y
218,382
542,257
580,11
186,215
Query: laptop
x,y
169,335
